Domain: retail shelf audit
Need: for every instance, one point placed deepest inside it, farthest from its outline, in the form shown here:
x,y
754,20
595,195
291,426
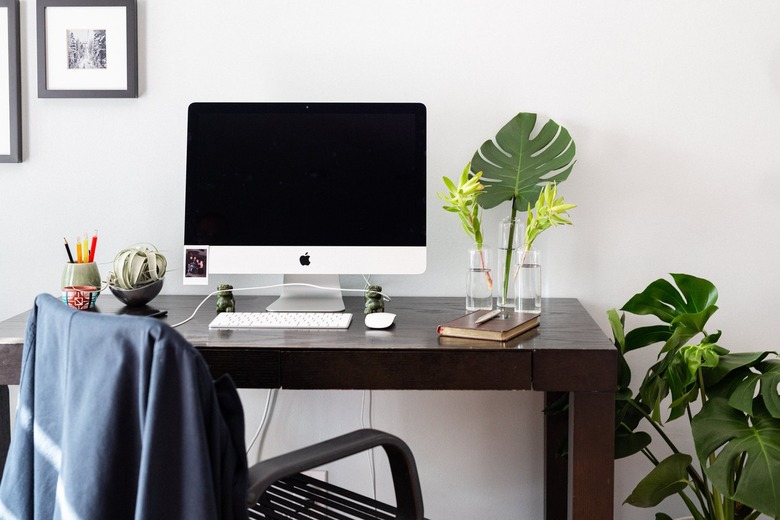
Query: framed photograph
x,y
87,48
10,83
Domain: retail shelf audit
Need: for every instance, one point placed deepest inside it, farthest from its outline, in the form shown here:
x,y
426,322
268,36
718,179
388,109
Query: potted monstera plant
x,y
731,400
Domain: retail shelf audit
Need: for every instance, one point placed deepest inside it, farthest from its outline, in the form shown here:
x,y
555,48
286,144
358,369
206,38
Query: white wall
x,y
673,105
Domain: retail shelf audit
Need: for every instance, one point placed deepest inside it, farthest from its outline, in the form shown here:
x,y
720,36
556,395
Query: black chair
x,y
278,489
119,418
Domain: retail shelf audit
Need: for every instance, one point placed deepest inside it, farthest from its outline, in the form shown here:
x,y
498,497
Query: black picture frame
x,y
109,69
11,83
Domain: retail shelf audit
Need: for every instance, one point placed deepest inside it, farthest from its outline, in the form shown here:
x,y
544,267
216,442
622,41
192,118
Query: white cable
x,y
371,466
209,295
266,413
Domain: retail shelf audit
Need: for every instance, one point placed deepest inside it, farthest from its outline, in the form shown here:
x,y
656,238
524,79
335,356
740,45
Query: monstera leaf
x,y
669,477
686,308
731,438
517,165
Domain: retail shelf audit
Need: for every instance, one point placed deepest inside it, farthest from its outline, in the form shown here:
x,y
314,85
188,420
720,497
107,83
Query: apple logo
x,y
304,259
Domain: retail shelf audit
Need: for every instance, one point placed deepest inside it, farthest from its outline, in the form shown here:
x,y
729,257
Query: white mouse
x,y
379,320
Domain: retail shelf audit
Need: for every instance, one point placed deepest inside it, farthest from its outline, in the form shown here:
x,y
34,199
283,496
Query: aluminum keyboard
x,y
281,320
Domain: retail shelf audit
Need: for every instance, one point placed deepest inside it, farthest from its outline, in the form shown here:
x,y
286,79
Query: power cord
x,y
266,413
272,391
298,284
368,396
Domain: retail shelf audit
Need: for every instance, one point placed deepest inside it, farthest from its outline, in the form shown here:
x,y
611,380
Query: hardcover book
x,y
496,329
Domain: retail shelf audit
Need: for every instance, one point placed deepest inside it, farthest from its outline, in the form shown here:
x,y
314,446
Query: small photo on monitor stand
x,y
196,265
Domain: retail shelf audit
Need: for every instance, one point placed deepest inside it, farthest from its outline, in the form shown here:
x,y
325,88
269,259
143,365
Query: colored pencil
x,y
92,249
67,250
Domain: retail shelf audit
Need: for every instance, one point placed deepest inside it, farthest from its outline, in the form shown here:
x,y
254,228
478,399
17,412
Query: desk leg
x,y
5,425
555,466
591,455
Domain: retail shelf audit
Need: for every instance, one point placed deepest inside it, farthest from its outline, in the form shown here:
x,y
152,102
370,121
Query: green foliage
x,y
517,166
462,200
740,453
737,430
548,211
670,476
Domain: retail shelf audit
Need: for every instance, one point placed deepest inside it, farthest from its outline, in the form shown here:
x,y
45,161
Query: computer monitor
x,y
304,189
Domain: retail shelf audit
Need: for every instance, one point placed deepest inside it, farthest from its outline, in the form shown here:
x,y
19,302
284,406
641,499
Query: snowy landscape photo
x,y
87,49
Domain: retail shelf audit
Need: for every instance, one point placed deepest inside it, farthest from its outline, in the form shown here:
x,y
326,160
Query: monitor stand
x,y
302,297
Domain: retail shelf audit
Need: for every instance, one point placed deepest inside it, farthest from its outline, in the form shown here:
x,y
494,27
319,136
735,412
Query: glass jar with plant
x,y
548,211
730,399
461,199
518,164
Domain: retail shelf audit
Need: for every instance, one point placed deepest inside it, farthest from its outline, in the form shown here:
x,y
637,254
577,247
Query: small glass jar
x,y
510,241
479,279
529,282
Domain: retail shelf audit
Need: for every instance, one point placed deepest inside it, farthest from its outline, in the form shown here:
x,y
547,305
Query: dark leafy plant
x,y
731,400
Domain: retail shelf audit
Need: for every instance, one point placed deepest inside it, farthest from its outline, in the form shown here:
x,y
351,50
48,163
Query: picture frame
x,y
87,48
10,83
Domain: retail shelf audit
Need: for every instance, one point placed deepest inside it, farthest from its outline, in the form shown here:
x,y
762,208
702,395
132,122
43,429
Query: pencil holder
x,y
81,297
80,274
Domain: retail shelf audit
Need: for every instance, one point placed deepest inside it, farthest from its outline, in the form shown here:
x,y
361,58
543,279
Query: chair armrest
x,y
406,481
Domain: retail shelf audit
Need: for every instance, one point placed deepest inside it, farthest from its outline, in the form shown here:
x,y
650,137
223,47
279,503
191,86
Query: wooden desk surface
x,y
567,352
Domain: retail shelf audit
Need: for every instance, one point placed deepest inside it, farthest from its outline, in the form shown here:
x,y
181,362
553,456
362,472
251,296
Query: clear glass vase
x,y
479,279
529,282
510,241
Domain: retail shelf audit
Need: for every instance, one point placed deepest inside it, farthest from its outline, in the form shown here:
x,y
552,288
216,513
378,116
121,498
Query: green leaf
x,y
660,299
669,477
726,434
617,323
629,443
652,392
770,386
644,336
695,296
698,292
518,166
730,362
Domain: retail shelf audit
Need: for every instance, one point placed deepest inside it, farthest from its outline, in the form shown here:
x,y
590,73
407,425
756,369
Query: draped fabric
x,y
119,418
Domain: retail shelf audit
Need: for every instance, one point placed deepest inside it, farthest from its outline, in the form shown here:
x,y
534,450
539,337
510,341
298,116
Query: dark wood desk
x,y
567,353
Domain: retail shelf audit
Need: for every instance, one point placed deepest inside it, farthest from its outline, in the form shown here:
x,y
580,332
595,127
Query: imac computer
x,y
307,190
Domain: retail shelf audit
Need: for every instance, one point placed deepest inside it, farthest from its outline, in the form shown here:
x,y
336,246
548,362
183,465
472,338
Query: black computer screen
x,y
309,174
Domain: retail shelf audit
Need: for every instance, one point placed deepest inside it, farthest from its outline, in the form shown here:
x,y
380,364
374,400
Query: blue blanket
x,y
119,418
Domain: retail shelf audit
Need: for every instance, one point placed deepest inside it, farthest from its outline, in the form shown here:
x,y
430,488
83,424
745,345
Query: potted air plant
x,y
138,274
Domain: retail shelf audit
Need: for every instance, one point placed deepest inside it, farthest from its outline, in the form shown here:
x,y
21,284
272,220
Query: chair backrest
x,y
119,418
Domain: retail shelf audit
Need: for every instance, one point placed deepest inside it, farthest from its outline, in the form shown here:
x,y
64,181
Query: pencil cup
x,y
82,297
80,274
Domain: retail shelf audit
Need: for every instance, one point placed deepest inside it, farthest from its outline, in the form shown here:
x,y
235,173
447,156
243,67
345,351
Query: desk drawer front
x,y
406,370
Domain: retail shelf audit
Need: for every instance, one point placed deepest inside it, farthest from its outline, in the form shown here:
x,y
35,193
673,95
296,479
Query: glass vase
x,y
529,282
509,243
479,279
